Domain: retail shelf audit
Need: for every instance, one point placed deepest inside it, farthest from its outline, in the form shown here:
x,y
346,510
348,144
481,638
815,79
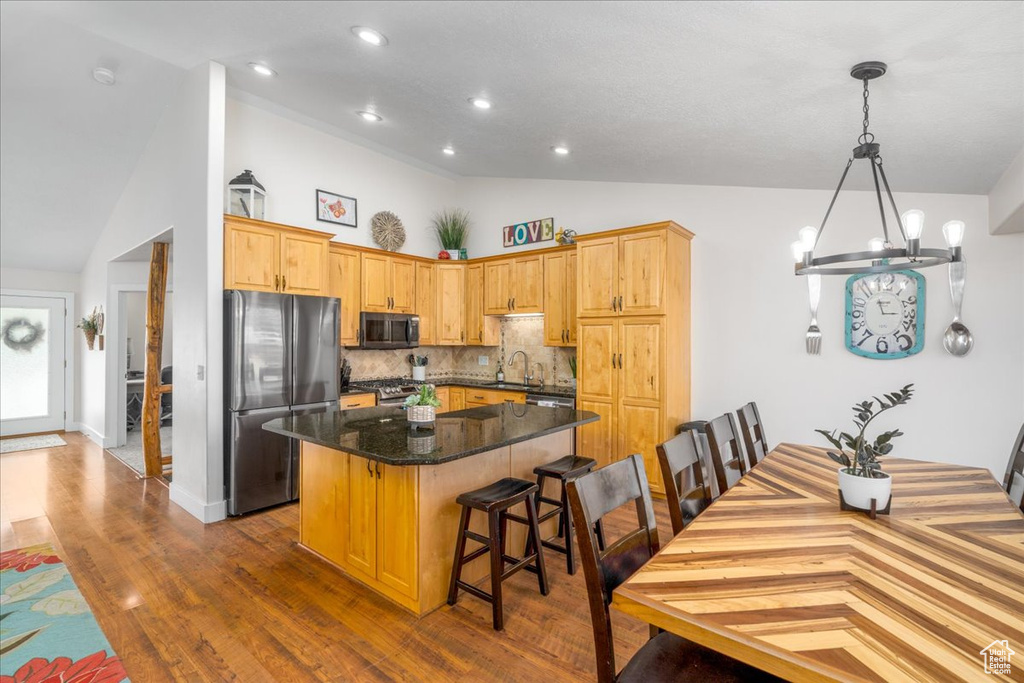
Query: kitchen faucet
x,y
526,366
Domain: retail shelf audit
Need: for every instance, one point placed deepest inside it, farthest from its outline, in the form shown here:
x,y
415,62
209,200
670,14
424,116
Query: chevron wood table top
x,y
774,574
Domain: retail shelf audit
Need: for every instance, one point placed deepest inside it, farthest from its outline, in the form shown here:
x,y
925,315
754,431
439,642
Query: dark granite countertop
x,y
561,391
383,433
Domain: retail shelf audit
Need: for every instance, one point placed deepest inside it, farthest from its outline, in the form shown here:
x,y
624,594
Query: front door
x,y
32,337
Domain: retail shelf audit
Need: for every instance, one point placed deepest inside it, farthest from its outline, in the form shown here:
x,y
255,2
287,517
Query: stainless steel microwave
x,y
388,331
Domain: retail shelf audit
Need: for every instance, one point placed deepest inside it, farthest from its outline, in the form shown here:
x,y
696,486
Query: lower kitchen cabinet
x,y
444,396
350,401
457,397
373,506
489,397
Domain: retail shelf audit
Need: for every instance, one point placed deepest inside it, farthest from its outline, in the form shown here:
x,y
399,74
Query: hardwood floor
x,y
239,600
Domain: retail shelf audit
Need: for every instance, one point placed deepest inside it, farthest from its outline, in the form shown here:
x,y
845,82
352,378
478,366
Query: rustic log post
x,y
154,355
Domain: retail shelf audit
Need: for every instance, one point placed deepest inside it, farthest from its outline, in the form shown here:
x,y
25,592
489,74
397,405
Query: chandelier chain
x,y
866,136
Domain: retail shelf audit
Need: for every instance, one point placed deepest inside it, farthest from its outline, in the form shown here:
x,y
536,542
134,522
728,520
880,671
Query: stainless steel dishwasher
x,y
550,401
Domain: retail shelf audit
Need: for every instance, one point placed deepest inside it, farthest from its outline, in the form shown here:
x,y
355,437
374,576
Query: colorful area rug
x,y
47,631
30,443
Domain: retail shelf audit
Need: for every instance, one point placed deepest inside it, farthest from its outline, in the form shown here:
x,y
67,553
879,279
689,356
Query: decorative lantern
x,y
247,196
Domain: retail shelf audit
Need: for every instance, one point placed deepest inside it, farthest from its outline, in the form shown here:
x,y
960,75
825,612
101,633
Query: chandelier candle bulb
x,y
953,231
808,237
798,251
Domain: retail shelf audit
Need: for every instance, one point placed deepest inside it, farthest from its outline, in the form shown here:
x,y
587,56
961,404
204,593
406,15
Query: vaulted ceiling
x,y
723,93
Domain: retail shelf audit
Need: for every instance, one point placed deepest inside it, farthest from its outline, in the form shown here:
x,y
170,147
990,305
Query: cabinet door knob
x,y
620,361
277,282
377,467
613,360
513,303
508,304
613,303
368,468
620,303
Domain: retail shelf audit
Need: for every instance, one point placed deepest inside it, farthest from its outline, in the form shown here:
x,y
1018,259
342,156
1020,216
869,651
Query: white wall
x,y
176,184
1006,200
292,160
39,280
750,312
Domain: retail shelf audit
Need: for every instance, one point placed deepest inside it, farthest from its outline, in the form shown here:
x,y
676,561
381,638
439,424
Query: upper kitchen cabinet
x,y
481,330
514,285
560,298
633,271
344,281
450,325
426,301
389,283
266,257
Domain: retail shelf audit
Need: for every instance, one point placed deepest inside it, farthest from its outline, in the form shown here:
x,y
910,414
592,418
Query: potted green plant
x,y
422,406
861,478
451,227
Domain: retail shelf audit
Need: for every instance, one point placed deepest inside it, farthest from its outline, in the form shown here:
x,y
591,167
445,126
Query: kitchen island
x,y
377,493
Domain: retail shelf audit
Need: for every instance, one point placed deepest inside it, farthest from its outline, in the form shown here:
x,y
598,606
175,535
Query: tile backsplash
x,y
526,333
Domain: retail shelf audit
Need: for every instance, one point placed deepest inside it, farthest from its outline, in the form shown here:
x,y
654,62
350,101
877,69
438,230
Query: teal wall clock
x,y
885,314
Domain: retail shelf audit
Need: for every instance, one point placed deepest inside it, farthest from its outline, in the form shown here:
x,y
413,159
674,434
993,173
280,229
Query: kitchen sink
x,y
510,385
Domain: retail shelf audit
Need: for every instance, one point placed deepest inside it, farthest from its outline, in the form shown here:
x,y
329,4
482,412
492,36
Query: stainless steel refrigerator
x,y
281,359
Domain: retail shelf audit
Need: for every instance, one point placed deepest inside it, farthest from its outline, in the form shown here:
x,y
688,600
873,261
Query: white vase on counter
x,y
419,373
454,254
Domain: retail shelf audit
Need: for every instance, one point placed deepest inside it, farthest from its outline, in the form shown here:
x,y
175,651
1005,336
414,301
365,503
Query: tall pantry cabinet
x,y
633,294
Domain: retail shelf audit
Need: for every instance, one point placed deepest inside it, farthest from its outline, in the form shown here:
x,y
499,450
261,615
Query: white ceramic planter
x,y
419,373
858,491
454,254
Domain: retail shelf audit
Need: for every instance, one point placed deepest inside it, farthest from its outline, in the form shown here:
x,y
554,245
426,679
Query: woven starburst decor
x,y
388,230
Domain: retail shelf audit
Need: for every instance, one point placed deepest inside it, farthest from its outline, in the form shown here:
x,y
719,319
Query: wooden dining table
x,y
774,574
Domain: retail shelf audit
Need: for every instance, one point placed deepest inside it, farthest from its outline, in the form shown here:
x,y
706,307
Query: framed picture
x,y
335,208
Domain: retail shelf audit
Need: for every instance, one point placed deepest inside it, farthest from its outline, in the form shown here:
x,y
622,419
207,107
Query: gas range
x,y
390,391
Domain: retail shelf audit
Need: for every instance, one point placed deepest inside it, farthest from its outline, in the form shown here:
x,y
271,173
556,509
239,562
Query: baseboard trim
x,y
94,436
204,512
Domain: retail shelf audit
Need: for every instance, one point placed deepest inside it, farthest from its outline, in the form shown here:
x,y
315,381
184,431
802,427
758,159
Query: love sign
x,y
526,233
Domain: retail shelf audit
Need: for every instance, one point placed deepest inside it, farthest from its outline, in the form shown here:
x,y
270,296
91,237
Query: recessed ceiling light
x,y
370,35
104,76
449,151
370,116
560,150
262,69
480,103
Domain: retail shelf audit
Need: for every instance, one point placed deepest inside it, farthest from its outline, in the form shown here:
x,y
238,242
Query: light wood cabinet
x,y
444,396
489,397
426,301
457,396
560,299
450,327
633,358
350,401
514,285
389,283
374,507
266,257
481,330
625,274
343,281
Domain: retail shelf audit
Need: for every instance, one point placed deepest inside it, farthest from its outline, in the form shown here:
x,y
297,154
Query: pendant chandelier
x,y
883,255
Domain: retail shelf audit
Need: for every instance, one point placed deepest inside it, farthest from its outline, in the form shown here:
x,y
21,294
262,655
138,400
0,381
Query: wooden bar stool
x,y
565,469
496,500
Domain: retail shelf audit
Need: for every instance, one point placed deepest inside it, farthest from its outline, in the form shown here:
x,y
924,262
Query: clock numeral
x,y
857,301
882,345
857,325
904,342
912,299
857,313
867,335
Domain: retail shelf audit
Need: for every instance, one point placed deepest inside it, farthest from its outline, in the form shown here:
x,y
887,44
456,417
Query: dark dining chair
x,y
753,433
1013,482
666,656
726,452
687,495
